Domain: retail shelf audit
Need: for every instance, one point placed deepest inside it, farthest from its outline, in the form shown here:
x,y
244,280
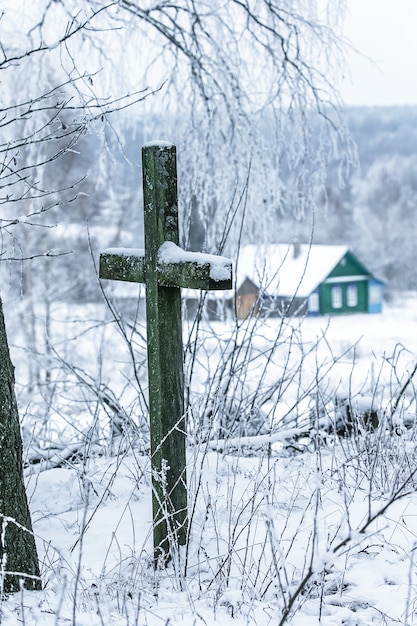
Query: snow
x,y
281,273
220,266
125,252
158,143
258,510
255,442
108,504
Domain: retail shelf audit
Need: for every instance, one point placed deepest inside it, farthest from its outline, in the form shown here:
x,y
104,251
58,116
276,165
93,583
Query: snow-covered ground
x,y
298,532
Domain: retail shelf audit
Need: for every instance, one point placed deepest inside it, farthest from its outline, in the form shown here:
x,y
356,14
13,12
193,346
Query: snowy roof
x,y
280,272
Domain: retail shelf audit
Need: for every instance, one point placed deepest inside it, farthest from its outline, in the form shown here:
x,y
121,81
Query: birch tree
x,y
251,87
245,89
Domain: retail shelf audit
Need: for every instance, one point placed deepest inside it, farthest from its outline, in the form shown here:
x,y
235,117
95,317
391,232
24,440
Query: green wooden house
x,y
303,279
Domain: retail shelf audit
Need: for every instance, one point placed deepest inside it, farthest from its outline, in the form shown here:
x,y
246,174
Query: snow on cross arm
x,y
158,143
220,266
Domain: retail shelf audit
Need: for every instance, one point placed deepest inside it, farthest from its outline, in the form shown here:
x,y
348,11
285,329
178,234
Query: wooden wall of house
x,y
246,304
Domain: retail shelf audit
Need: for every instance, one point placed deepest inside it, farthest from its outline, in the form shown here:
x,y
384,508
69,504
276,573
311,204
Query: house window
x,y
352,295
313,302
337,299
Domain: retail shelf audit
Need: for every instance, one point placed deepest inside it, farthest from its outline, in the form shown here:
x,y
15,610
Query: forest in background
x,y
371,207
375,211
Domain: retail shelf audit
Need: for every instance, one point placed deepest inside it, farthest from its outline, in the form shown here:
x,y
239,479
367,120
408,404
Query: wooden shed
x,y
304,279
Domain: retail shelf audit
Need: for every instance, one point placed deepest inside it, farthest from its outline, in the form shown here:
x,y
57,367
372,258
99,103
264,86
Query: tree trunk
x,y
18,556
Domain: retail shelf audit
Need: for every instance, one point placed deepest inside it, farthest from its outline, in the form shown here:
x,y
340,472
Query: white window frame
x,y
352,295
313,302
337,297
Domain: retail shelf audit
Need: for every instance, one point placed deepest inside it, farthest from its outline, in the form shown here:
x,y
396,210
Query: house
x,y
304,279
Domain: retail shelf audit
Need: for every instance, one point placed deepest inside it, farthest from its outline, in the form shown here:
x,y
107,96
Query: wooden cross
x,y
164,267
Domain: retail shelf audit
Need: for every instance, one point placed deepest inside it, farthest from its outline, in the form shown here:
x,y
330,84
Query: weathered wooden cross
x,y
164,267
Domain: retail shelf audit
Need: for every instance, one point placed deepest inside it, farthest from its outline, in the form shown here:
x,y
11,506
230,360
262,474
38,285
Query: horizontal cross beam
x,y
176,267
126,264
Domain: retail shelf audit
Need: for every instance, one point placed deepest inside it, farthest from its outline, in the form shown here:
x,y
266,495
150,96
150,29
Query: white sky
x,y
386,31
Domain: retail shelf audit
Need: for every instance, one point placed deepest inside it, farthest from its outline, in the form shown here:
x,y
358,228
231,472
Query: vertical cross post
x,y
165,268
165,351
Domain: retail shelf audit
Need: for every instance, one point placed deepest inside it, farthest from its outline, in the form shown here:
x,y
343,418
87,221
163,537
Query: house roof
x,y
280,272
